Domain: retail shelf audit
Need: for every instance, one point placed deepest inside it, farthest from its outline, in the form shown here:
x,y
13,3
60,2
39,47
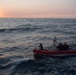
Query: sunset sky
x,y
37,8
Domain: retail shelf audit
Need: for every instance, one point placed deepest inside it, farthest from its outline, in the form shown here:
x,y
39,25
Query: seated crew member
x,y
66,47
60,46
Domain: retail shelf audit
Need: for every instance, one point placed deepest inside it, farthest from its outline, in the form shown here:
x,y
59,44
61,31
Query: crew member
x,y
41,46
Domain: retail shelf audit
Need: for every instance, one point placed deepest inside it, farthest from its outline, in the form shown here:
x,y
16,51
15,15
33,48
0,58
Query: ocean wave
x,y
19,29
18,38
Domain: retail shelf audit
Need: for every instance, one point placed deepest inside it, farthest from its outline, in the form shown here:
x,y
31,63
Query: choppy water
x,y
19,36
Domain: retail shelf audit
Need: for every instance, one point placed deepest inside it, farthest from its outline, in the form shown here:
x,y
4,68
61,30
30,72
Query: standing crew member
x,y
41,46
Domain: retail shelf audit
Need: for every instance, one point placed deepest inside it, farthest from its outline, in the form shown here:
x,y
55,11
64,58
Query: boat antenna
x,y
54,41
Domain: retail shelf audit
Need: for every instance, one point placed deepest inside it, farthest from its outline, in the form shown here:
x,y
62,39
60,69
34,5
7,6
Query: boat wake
x,y
39,67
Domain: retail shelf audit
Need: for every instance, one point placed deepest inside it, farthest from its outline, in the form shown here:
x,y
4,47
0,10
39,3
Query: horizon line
x,y
38,17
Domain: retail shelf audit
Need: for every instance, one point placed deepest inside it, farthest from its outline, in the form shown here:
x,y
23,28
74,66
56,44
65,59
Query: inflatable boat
x,y
38,52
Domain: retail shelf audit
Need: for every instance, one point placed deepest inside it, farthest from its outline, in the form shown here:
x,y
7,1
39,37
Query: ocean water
x,y
18,38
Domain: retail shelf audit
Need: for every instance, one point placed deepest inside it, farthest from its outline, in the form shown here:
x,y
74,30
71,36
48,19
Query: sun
x,y
2,13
